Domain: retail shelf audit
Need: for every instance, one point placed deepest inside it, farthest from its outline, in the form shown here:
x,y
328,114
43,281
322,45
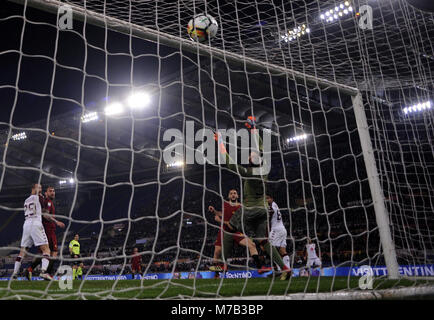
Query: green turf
x,y
149,289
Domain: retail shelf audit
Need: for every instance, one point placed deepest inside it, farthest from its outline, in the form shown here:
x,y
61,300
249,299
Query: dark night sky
x,y
36,73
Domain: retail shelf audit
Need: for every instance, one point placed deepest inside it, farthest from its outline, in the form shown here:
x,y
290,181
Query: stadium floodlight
x,y
139,100
114,108
91,116
71,181
295,33
297,138
62,181
19,136
176,164
339,11
419,107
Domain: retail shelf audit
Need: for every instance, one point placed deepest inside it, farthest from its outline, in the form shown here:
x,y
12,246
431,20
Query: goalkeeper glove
x,y
251,123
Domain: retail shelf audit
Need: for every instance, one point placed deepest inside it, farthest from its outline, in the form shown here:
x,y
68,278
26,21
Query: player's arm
x,y
251,124
41,201
229,161
227,224
70,247
39,210
219,220
213,210
50,217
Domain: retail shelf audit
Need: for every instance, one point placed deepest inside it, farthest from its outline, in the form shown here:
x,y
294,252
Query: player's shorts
x,y
278,237
52,239
76,262
313,262
237,237
252,222
33,233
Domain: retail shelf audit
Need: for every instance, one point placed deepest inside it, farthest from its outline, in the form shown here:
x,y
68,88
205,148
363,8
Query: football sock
x,y
17,264
45,262
51,265
286,261
35,263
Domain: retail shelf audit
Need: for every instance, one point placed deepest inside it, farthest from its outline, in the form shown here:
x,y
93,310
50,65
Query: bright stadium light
x,y
339,11
91,116
62,181
176,164
297,138
19,136
71,181
419,107
114,108
296,33
139,100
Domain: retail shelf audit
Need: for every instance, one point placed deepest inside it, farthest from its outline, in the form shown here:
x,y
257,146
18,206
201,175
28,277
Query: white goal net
x,y
91,90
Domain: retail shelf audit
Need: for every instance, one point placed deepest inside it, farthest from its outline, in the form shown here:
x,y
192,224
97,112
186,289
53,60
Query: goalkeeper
x,y
252,218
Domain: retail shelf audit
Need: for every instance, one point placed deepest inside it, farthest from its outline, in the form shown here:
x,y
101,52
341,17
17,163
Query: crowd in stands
x,y
174,235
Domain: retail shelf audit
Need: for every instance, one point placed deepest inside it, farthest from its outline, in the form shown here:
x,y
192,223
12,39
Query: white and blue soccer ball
x,y
202,27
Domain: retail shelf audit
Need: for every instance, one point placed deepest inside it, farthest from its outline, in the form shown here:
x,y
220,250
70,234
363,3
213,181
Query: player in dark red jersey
x,y
49,223
229,209
136,263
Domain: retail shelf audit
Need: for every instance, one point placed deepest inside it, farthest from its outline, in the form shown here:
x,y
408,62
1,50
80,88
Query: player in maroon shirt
x,y
49,223
136,262
229,209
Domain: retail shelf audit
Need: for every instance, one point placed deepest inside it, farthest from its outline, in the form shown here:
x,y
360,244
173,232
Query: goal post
x,y
377,194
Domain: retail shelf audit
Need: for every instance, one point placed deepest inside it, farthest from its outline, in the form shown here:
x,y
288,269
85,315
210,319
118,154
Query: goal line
x,y
399,293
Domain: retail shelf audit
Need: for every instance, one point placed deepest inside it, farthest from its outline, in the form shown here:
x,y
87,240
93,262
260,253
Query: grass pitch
x,y
189,288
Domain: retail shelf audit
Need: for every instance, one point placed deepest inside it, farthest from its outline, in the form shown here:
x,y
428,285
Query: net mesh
x,y
116,191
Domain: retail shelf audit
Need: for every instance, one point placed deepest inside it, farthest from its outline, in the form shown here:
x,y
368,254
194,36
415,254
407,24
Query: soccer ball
x,y
202,27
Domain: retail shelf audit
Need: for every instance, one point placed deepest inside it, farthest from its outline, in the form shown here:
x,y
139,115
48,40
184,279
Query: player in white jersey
x,y
278,232
33,232
312,258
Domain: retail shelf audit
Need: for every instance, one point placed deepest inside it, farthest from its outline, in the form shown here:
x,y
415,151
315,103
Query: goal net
x,y
94,93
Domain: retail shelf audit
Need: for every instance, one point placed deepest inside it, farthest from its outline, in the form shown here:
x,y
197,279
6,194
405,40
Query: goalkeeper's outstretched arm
x,y
243,171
